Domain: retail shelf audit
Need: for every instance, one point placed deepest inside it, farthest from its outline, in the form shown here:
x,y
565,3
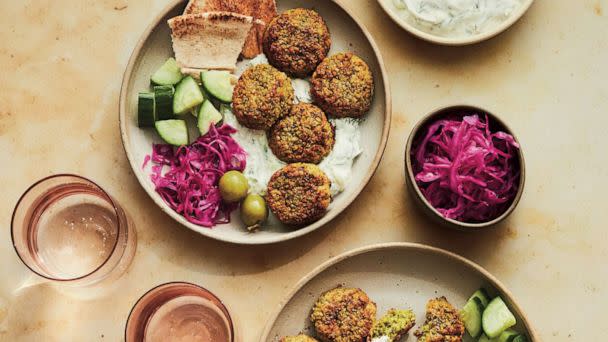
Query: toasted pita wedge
x,y
266,11
253,43
210,40
194,7
262,10
195,73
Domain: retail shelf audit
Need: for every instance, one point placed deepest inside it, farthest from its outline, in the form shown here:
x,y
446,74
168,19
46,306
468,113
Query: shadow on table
x,y
170,242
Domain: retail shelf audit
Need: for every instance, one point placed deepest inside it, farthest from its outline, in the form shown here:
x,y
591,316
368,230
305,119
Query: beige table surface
x,y
61,68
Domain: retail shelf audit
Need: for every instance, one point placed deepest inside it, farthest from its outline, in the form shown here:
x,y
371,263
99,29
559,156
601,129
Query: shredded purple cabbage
x,y
190,185
466,172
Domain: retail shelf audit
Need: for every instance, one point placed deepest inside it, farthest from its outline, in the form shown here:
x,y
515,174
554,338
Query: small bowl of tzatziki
x,y
455,22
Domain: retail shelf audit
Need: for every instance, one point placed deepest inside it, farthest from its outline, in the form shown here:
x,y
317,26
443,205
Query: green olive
x,y
233,186
253,211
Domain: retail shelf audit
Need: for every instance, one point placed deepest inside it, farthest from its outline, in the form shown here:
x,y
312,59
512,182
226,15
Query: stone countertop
x,y
62,64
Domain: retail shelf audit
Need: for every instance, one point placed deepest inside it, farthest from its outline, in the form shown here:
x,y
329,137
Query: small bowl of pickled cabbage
x,y
464,167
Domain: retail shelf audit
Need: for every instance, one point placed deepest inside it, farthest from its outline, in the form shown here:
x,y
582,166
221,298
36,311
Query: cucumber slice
x,y
497,318
146,110
207,116
168,74
163,96
174,132
218,84
482,295
187,96
484,338
520,338
194,111
508,335
471,316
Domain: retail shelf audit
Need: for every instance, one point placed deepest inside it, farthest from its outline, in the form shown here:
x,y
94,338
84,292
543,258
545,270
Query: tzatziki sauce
x,y
456,18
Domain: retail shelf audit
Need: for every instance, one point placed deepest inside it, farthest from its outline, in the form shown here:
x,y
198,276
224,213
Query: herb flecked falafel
x,y
296,41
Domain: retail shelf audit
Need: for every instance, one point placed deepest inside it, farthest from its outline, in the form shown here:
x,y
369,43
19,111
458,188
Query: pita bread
x,y
194,7
253,43
211,40
262,10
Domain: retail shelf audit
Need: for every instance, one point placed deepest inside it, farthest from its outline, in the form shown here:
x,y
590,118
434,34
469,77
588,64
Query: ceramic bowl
x,y
392,11
394,275
496,124
347,34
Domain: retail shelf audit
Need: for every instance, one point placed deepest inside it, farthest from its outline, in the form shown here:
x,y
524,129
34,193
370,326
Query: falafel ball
x,y
296,41
299,193
443,323
299,338
261,96
343,85
343,315
394,324
304,135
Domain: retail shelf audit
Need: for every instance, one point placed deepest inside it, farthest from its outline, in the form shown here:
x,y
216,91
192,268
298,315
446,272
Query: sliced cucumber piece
x,y
163,96
508,335
168,74
497,318
482,295
218,84
194,111
146,110
520,338
207,116
471,316
187,96
174,132
484,338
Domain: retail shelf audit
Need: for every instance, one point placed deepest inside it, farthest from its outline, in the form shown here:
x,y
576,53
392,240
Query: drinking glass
x,y
68,230
179,312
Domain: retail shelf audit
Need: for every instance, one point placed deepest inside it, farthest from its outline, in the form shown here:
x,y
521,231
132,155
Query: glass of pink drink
x,y
179,312
67,229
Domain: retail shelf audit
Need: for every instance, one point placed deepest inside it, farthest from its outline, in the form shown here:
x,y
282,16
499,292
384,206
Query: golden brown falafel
x,y
343,85
261,96
304,135
299,338
299,193
296,41
343,315
442,323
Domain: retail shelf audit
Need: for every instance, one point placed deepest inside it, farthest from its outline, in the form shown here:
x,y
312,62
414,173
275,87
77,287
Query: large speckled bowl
x,y
394,275
347,35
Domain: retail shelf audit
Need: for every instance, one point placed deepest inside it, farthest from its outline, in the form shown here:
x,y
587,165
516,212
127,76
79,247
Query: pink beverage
x,y
188,319
66,228
179,312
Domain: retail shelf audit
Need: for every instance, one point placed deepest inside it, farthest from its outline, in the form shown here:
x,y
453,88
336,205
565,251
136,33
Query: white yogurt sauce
x,y
456,18
262,163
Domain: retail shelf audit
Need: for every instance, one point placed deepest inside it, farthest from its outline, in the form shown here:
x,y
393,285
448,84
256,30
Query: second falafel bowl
x,y
296,135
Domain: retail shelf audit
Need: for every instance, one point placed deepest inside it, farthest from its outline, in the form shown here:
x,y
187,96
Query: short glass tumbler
x,y
179,312
67,229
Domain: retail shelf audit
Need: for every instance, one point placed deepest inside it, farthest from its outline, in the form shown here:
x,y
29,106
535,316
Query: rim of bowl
x,y
113,203
412,181
156,288
330,215
499,286
459,41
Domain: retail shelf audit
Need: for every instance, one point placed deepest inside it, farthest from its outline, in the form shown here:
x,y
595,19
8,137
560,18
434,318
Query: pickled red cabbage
x,y
466,172
187,178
